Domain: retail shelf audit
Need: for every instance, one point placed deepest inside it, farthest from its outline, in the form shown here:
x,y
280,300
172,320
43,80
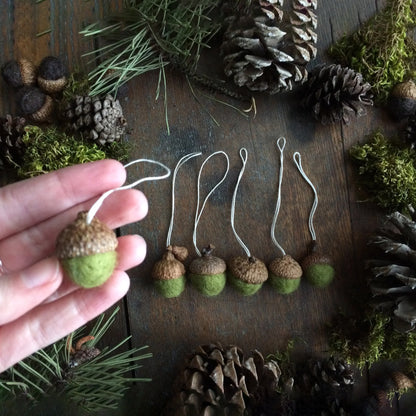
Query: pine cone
x,y
11,145
393,279
333,92
410,132
266,50
98,119
324,387
221,381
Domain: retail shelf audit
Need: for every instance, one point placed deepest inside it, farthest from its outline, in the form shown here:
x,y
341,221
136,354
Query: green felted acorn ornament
x,y
285,274
247,274
317,268
169,272
87,251
207,273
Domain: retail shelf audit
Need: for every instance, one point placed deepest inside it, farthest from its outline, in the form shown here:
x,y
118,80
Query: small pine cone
x,y
11,144
333,92
98,119
329,377
410,132
266,50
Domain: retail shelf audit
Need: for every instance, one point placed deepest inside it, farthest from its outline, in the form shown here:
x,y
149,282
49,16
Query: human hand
x,y
38,304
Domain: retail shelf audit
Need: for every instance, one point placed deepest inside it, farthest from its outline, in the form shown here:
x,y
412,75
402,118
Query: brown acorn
x,y
169,272
318,268
207,273
35,104
87,252
247,274
402,100
285,274
51,75
401,381
19,73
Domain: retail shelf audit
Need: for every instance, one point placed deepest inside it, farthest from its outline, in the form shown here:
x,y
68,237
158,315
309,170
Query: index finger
x,y
31,201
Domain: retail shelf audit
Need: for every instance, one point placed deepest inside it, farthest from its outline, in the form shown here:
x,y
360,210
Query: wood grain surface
x,y
266,321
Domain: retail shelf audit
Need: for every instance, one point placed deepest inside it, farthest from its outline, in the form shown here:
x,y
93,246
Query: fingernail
x,y
46,271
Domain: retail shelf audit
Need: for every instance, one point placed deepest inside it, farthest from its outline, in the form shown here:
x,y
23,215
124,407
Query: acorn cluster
x,y
35,85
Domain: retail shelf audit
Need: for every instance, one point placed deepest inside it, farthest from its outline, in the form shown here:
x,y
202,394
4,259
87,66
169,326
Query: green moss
x,y
386,172
382,49
50,149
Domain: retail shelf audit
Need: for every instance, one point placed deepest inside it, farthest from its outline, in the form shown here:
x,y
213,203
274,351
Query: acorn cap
x,y
248,269
19,73
286,267
51,74
405,89
168,267
207,264
315,258
79,239
401,381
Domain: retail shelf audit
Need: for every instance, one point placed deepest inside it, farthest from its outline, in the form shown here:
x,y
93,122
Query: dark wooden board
x,y
266,321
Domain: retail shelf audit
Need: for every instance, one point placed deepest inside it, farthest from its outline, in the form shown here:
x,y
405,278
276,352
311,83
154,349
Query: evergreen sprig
x,y
149,35
98,383
382,50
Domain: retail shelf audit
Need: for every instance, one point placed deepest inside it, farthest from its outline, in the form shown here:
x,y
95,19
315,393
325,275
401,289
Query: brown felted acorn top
x,y
248,269
79,239
406,89
315,258
168,267
402,100
207,264
286,267
18,73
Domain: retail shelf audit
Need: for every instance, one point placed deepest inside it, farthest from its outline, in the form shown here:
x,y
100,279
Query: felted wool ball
x,y
318,270
19,73
169,275
247,274
285,274
207,273
87,252
51,75
35,103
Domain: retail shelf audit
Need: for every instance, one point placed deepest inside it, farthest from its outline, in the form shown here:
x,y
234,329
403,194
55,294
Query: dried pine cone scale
x,y
11,145
99,119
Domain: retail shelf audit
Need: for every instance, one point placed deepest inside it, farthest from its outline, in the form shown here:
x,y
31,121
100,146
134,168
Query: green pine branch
x,y
93,385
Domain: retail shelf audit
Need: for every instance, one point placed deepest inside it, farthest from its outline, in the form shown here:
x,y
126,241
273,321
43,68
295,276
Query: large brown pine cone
x,y
221,381
265,49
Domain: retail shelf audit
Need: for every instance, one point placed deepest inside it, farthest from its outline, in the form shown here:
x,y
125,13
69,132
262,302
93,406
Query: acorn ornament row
x,y
209,274
35,85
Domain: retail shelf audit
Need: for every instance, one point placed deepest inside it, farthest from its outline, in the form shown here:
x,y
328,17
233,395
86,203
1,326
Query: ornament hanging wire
x,y
243,156
198,211
298,161
181,162
281,143
97,205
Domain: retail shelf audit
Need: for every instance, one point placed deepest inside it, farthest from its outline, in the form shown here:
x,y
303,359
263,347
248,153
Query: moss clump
x,y
387,172
50,149
383,51
371,339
